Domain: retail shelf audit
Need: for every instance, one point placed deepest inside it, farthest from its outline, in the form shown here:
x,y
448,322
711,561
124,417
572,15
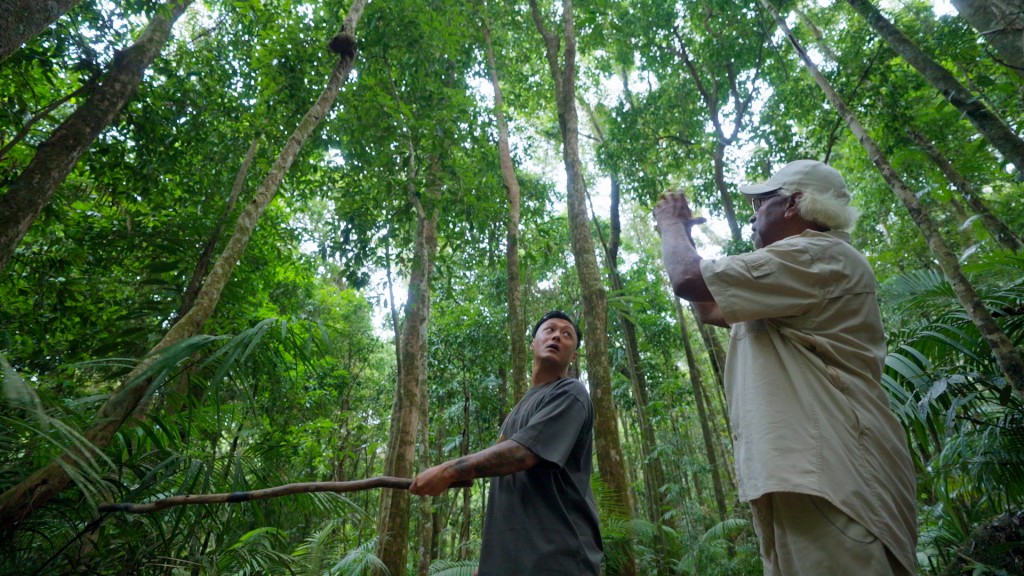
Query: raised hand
x,y
673,207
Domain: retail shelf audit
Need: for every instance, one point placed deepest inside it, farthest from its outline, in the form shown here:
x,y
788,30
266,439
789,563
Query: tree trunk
x,y
24,19
716,354
1001,24
990,126
425,506
702,413
21,500
1006,354
999,231
466,517
516,316
57,156
654,473
183,392
718,159
393,526
188,298
595,305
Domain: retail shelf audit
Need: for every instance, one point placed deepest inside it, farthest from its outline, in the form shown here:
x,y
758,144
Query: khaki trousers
x,y
804,535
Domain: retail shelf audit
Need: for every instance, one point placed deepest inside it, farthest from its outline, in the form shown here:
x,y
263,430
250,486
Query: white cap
x,y
807,176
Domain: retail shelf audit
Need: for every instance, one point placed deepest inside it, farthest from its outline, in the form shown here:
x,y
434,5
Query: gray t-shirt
x,y
544,520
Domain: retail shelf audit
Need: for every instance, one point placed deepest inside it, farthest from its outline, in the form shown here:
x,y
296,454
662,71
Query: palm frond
x,y
257,552
360,560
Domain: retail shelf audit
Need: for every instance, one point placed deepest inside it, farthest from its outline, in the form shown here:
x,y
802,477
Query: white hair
x,y
827,210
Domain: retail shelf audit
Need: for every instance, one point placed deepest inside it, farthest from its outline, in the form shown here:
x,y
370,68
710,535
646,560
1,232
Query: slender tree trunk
x,y
819,38
697,380
54,159
654,472
716,397
466,511
718,160
1001,24
425,506
183,391
23,499
710,96
393,525
1006,354
595,305
716,355
999,231
988,124
188,298
516,316
23,20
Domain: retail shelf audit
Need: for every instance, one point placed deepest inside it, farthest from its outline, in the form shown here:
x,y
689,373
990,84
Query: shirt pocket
x,y
759,264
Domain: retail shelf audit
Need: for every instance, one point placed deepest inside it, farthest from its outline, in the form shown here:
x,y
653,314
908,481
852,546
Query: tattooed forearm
x,y
503,458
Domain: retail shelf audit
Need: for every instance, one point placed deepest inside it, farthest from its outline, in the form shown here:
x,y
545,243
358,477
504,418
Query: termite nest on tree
x,y
343,44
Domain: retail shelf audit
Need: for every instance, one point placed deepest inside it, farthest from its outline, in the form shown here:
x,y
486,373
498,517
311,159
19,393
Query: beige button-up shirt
x,y
803,383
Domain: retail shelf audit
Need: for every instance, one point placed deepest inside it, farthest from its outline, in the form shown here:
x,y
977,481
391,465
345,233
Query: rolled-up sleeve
x,y
775,282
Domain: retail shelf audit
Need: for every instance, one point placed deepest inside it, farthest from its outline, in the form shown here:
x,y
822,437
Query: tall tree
x,y
24,19
400,461
22,499
595,304
516,315
987,122
54,159
1007,355
653,471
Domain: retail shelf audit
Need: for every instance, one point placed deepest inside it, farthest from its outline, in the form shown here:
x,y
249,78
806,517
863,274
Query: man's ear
x,y
791,207
574,356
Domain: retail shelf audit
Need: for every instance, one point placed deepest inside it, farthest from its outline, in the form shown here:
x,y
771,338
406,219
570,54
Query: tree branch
x,y
265,493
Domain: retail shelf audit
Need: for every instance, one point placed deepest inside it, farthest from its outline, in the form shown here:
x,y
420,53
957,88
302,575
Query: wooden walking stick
x,y
296,488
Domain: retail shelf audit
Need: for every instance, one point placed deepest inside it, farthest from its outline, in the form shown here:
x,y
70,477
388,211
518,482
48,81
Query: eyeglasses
x,y
759,201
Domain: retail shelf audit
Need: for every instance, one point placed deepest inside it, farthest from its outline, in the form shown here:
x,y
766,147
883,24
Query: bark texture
x,y
23,20
393,526
57,156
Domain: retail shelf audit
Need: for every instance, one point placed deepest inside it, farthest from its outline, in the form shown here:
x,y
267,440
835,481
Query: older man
x,y
819,454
